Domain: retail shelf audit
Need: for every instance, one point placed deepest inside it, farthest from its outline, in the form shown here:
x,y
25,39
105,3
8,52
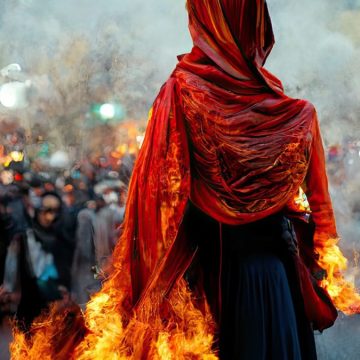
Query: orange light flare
x,y
340,287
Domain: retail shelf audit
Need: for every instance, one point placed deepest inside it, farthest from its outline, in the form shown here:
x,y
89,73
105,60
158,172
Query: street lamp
x,y
14,94
107,111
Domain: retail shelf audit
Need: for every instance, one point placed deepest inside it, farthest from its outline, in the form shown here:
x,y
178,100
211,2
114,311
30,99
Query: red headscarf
x,y
250,142
222,133
236,35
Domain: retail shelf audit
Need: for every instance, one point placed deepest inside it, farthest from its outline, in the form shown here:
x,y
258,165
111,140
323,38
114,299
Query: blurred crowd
x,y
57,231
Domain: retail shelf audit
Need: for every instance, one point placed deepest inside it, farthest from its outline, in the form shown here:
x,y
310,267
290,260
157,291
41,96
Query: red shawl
x,y
222,133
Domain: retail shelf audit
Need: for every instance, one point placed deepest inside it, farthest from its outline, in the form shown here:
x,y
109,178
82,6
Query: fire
x,y
178,326
105,330
341,290
182,331
47,335
163,347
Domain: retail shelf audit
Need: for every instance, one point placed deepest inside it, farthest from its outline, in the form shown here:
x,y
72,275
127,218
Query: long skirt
x,y
251,285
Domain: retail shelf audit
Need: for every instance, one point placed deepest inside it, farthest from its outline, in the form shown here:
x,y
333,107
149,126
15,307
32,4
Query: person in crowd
x,y
98,229
44,260
126,167
109,219
84,281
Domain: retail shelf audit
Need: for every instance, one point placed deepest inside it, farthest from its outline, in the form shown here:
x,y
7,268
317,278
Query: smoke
x,y
123,50
93,52
316,56
131,42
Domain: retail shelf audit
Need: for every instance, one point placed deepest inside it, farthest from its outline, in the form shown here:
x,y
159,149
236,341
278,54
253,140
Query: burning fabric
x,y
222,134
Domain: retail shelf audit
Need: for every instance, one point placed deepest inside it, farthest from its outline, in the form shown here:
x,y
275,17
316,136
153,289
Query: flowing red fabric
x,y
223,134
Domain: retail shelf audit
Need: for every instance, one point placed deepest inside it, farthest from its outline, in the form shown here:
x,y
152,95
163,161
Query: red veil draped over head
x,y
222,133
250,142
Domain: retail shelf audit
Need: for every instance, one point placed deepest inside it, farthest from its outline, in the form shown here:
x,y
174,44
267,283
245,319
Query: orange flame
x,y
173,328
341,290
184,332
46,339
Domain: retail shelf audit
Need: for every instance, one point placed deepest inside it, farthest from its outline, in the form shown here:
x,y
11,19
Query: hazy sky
x,y
311,57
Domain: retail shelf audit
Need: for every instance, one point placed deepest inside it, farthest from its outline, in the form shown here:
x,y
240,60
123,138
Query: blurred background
x,y
77,80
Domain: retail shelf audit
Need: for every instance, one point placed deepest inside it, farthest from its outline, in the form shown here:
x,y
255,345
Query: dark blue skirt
x,y
252,288
258,317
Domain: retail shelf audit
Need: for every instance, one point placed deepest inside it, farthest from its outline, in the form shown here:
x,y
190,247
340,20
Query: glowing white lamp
x,y
13,95
107,111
